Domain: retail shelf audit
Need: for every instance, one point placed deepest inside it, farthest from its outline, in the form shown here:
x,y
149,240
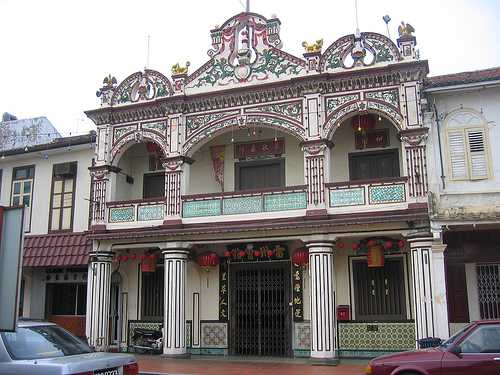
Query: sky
x,y
55,53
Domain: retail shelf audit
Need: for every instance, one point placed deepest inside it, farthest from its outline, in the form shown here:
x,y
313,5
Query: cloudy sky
x,y
54,54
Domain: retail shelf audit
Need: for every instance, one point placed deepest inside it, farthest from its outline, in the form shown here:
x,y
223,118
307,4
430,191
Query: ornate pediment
x,y
246,48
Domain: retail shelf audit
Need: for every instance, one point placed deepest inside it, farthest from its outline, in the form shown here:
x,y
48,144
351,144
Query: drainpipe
x,y
439,144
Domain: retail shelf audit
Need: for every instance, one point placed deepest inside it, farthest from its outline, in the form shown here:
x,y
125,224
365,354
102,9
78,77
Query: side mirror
x,y
456,350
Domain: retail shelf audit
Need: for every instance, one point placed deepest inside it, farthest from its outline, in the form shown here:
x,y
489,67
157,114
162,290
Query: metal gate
x,y
260,312
488,285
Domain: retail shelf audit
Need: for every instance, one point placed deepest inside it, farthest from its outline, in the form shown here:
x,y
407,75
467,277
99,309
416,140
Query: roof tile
x,y
461,78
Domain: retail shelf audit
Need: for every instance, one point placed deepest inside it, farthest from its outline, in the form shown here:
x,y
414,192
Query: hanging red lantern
x,y
355,246
227,254
124,258
388,245
133,257
401,244
148,263
153,148
257,254
371,243
340,244
270,253
242,254
208,260
363,122
300,257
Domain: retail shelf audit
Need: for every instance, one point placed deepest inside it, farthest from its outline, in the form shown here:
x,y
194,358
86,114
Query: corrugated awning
x,y
56,250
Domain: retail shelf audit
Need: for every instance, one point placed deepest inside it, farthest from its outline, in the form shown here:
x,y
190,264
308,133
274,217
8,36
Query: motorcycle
x,y
146,340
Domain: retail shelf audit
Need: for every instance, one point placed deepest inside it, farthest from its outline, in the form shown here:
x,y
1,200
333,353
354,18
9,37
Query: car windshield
x,y
42,342
446,344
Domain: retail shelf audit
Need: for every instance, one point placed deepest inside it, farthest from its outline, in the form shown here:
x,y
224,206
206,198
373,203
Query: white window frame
x,y
22,194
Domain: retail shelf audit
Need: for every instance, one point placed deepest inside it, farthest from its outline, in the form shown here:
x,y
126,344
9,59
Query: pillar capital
x,y
320,247
438,247
100,256
420,240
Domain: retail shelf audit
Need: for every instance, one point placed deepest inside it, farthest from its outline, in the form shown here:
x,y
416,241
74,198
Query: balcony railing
x,y
367,193
245,202
136,210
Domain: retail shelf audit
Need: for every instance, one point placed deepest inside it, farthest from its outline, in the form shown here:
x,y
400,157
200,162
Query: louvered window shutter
x,y
458,154
477,153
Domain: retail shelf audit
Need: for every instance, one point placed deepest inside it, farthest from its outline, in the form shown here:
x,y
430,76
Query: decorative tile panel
x,y
242,205
389,96
347,197
302,336
333,103
285,201
213,335
188,333
121,214
151,212
387,194
386,336
211,207
291,109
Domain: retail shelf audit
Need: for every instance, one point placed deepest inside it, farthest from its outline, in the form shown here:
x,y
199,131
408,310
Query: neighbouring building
x,y
48,174
267,204
464,175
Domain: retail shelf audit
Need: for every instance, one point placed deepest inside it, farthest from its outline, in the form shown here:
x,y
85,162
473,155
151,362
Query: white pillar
x,y
98,295
174,340
421,254
322,301
441,325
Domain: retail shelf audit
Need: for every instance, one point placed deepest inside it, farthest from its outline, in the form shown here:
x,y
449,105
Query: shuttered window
x,y
468,154
477,153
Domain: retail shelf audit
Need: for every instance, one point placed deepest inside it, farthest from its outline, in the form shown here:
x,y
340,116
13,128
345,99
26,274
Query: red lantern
x,y
142,257
148,263
256,254
363,122
208,260
371,243
388,245
401,244
300,257
227,254
153,148
133,257
269,253
355,246
340,244
242,254
124,258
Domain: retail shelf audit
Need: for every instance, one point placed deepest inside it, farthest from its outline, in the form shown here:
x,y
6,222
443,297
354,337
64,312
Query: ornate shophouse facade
x,y
267,204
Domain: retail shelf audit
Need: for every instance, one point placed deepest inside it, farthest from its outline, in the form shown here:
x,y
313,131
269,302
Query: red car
x,y
474,350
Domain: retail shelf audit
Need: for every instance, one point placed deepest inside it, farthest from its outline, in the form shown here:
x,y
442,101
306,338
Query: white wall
x,y
43,184
201,171
483,101
343,141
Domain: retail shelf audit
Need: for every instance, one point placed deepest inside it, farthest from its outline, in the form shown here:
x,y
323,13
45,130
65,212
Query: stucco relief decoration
x,y
133,134
414,138
142,86
194,123
107,90
246,48
391,97
364,49
293,111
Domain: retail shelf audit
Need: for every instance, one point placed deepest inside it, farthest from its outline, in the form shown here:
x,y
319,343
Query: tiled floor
x,y
234,366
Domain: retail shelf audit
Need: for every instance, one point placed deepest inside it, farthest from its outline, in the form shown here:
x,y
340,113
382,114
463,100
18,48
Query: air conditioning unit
x,y
65,170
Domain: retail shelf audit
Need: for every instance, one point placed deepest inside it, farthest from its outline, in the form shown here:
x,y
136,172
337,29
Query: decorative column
x,y
316,174
441,326
421,261
322,300
175,184
413,141
99,195
174,339
98,295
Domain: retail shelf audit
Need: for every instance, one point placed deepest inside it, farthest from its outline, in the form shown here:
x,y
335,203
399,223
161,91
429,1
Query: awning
x,y
56,250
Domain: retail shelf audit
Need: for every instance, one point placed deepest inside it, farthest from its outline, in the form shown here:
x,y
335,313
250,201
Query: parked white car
x,y
41,348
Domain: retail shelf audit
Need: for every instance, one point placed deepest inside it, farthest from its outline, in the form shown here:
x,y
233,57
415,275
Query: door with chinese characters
x,y
260,309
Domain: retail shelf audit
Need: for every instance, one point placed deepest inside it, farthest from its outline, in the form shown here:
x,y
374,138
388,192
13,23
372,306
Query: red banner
x,y
264,148
217,153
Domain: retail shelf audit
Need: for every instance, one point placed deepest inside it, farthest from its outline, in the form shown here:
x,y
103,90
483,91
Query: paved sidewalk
x,y
236,366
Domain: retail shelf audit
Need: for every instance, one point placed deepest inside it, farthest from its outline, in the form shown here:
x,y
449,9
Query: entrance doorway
x,y
260,310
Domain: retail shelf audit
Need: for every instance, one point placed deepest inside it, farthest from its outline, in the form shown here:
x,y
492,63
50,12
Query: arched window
x,y
467,146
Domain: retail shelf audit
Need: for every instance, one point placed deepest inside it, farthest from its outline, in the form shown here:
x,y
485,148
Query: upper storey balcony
x,y
256,173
